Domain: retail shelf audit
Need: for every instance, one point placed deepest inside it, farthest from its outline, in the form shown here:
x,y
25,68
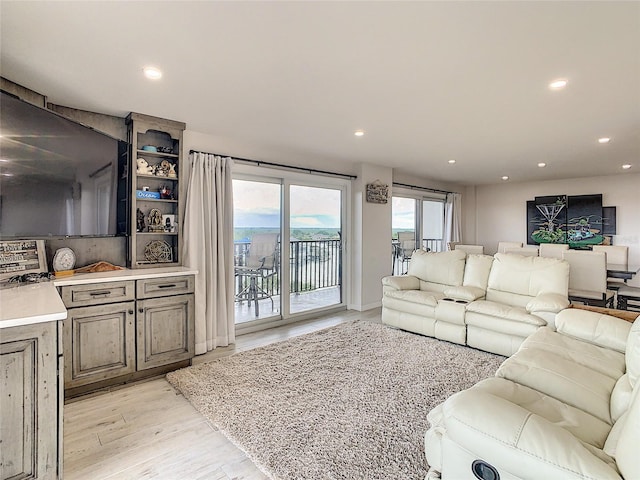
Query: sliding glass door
x,y
288,247
257,232
416,223
315,254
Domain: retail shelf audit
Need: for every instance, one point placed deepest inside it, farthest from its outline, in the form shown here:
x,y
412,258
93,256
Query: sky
x,y
257,204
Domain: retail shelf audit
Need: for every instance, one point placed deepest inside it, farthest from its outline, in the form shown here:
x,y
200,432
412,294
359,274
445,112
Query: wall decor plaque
x,y
18,257
377,192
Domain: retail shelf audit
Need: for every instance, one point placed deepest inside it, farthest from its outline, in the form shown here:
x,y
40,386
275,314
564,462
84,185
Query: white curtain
x,y
208,247
452,218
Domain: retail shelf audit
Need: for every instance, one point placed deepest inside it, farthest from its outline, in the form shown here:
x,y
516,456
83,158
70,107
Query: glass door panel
x,y
256,237
315,250
403,228
432,225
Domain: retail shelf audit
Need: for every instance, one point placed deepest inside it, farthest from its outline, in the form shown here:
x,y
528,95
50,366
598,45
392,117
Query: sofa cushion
x,y
586,427
446,268
595,328
603,360
626,449
476,271
401,282
632,353
415,296
528,276
507,312
563,379
426,309
522,444
468,294
548,302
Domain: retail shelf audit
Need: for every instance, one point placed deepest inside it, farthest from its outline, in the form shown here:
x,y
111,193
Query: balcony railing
x,y
314,264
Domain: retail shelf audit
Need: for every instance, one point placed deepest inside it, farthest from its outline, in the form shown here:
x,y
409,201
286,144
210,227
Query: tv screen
x,y
57,177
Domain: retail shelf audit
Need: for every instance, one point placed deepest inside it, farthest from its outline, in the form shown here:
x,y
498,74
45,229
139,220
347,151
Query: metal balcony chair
x,y
259,263
405,247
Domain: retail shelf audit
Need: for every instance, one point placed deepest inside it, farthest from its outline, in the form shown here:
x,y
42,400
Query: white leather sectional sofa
x,y
491,303
565,406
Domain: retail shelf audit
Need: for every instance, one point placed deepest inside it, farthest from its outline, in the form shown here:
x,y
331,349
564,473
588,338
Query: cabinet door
x,y
29,402
165,329
99,343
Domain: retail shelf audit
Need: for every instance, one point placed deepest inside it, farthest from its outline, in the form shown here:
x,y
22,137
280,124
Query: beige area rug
x,y
348,402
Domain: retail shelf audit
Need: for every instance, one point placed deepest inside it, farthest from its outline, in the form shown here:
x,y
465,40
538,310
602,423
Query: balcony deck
x,y
300,302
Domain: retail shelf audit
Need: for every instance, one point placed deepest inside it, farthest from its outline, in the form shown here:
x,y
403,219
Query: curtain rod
x,y
260,163
416,187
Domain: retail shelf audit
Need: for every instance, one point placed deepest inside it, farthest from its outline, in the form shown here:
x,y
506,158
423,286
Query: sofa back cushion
x,y
476,271
441,268
518,277
632,354
625,446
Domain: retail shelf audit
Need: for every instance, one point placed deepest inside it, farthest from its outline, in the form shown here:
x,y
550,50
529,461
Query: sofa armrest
x,y
547,302
593,327
468,294
401,282
517,442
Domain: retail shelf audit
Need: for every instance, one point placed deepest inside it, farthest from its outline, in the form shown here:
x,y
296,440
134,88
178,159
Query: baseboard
x,y
364,308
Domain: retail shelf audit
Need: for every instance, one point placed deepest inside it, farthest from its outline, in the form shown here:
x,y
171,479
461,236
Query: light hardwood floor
x,y
150,431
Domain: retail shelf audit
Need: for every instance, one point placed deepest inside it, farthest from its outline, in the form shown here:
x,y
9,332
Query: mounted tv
x,y
57,177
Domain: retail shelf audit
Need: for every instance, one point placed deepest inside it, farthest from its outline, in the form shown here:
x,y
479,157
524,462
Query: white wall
x,y
371,240
500,212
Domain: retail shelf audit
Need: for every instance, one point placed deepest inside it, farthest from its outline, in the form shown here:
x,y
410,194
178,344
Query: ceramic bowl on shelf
x,y
149,148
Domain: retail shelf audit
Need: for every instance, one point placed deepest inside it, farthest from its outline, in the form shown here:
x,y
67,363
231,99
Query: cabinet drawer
x,y
97,293
163,287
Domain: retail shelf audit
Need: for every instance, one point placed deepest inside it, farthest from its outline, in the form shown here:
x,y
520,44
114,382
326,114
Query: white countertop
x,y
120,275
40,302
31,303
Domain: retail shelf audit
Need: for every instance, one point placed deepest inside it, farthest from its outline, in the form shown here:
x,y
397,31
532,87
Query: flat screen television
x,y
58,178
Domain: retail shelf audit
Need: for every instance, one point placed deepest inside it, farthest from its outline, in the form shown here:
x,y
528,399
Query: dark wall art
x,y
578,220
547,220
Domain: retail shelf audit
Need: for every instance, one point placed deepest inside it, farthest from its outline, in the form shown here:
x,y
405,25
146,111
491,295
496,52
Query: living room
x,y
289,83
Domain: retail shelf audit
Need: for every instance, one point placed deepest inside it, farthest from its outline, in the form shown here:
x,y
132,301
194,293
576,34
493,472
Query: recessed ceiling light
x,y
626,166
452,161
604,140
542,164
558,84
7,174
359,133
505,178
152,73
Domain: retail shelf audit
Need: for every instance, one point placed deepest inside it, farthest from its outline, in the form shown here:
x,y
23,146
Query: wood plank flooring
x,y
150,431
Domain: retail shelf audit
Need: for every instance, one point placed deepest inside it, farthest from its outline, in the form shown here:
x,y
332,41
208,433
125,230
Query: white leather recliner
x,y
431,298
491,303
566,405
523,295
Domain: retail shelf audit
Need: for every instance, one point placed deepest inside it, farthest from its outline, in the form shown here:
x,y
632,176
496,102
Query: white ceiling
x,y
426,81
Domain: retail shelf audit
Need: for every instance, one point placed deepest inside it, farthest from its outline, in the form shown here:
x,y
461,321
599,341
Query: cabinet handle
x,y
95,294
141,310
170,285
130,312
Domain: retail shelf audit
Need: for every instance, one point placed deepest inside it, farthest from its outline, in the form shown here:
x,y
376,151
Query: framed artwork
x,y
169,223
547,220
608,220
584,221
